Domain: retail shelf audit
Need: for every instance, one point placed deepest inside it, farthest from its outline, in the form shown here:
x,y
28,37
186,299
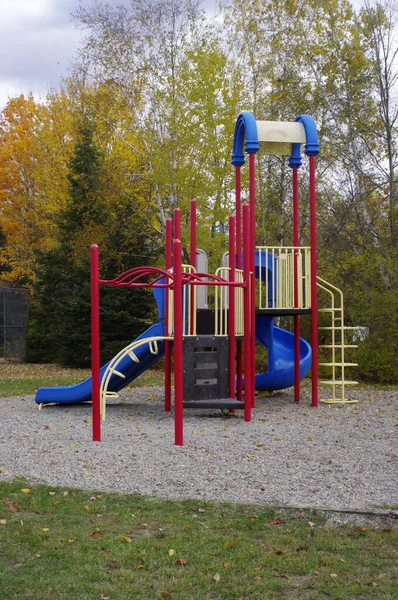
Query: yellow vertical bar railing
x,y
277,291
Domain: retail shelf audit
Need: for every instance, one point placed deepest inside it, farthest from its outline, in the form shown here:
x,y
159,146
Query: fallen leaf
x,y
9,505
181,561
52,493
95,534
114,564
171,552
201,510
217,577
3,522
140,567
166,596
333,574
311,524
45,529
260,445
232,544
277,522
253,517
125,539
26,491
47,427
278,551
71,541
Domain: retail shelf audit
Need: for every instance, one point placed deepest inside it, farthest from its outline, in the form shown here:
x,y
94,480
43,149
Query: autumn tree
x,y
60,323
35,146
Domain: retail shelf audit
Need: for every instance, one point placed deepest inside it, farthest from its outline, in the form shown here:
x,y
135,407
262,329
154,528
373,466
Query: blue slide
x,y
81,392
280,343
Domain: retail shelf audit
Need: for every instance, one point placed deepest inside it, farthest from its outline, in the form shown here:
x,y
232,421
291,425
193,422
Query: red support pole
x,y
239,361
95,344
238,219
247,314
178,343
314,302
167,348
231,306
296,242
193,263
177,224
252,198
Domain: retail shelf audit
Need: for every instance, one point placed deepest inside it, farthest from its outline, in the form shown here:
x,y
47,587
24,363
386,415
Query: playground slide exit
x,y
280,345
81,392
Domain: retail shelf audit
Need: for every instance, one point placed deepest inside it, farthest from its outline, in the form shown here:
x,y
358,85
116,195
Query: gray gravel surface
x,y
334,456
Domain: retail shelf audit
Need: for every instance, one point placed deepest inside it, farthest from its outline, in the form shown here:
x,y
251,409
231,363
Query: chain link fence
x,y
14,314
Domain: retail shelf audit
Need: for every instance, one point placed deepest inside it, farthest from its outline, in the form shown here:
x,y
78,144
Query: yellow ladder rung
x,y
338,346
111,395
118,373
334,364
339,401
339,382
324,310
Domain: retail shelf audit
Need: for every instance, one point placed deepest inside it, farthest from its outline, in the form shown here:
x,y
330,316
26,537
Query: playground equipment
x,y
214,348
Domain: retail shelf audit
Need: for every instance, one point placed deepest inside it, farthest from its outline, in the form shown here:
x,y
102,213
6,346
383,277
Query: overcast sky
x,y
37,43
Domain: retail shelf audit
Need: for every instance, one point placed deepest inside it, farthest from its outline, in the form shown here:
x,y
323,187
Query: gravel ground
x,y
289,455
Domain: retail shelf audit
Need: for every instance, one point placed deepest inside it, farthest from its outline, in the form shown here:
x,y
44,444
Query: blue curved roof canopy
x,y
312,143
245,126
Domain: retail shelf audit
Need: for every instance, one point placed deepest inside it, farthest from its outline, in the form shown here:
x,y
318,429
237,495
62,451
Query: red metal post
x,y
178,343
247,314
193,263
167,348
314,302
296,242
252,198
231,306
238,211
95,344
177,224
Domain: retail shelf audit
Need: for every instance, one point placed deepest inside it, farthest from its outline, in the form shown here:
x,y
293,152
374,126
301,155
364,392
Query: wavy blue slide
x,y
280,344
81,392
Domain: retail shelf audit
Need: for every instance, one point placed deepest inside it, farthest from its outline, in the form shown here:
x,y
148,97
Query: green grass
x,y
19,379
69,544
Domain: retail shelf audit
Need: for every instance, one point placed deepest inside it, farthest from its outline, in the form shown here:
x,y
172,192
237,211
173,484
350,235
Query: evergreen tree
x,y
60,317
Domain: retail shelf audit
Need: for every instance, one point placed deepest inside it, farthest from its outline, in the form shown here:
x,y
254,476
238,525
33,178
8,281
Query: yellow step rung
x,y
118,373
338,382
335,364
338,346
337,401
110,395
133,357
325,310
